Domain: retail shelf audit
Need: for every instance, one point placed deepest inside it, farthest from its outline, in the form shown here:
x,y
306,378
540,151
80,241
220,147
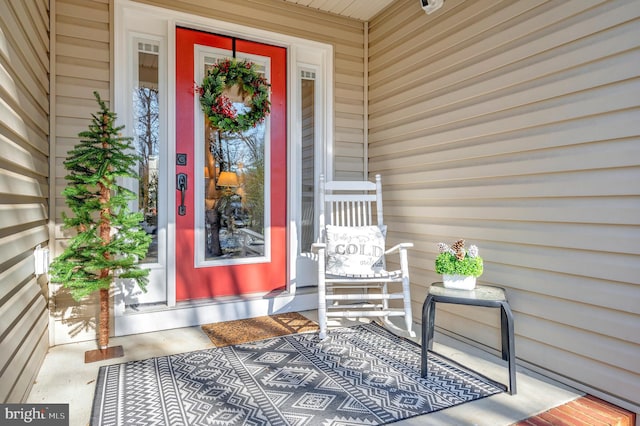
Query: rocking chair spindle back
x,y
352,276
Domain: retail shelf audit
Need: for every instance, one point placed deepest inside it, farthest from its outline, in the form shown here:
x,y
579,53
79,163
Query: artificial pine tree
x,y
109,240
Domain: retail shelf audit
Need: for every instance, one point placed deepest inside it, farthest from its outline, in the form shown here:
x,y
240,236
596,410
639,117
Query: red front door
x,y
231,236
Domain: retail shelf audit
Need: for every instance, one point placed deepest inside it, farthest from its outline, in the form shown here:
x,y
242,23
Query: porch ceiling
x,y
363,10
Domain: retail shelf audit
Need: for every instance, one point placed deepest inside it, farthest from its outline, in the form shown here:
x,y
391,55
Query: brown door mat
x,y
587,410
248,330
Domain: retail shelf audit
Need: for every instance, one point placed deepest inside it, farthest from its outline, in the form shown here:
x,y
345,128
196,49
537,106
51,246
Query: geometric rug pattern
x,y
361,375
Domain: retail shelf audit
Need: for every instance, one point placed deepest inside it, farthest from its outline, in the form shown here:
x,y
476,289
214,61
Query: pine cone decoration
x,y
458,247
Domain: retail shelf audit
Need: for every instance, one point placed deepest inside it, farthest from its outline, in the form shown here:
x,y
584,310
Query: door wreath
x,y
251,86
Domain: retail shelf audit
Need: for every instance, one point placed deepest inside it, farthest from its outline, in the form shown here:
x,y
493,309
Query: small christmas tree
x,y
109,240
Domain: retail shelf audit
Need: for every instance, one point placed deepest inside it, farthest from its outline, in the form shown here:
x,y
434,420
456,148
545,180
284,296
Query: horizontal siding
x,y
82,65
515,125
24,188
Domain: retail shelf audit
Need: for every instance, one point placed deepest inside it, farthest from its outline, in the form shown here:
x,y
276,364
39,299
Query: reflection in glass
x,y
234,178
308,159
147,128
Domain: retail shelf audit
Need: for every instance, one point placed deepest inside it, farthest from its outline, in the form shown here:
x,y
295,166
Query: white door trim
x,y
132,17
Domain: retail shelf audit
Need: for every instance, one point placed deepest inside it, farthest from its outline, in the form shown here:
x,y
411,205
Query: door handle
x,y
181,185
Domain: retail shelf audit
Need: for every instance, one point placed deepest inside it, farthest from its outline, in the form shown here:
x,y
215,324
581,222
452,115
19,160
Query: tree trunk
x,y
105,236
103,323
216,224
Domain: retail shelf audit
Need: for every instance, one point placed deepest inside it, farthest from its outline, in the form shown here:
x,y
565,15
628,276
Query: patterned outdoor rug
x,y
251,329
361,375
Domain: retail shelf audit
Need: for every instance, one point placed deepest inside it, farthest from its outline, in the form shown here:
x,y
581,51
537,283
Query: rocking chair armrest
x,y
399,247
316,247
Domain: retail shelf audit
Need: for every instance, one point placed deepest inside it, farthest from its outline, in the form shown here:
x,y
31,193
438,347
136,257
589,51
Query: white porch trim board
x,y
194,313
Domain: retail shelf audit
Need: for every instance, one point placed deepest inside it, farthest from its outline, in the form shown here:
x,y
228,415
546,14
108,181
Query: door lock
x,y
181,185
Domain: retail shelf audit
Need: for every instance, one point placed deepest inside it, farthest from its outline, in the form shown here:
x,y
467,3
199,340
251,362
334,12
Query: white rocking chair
x,y
352,277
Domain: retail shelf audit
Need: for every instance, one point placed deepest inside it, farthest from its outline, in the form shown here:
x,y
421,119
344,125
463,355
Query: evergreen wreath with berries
x,y
217,106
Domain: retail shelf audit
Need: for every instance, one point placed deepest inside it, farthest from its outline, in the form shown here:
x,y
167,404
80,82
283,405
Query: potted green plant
x,y
459,267
108,240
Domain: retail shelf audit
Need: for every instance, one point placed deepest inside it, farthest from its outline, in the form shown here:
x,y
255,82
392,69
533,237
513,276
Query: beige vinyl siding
x,y
24,188
347,38
82,65
514,125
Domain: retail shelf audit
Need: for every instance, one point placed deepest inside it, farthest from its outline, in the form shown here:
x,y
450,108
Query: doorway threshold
x,y
133,319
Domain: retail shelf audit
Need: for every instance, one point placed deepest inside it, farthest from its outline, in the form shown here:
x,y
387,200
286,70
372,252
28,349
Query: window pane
x,y
146,110
308,160
234,182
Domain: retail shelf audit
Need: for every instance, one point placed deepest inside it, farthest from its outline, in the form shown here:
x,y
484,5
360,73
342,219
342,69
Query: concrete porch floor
x,y
65,378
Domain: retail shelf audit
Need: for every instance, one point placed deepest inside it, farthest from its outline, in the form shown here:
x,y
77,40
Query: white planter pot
x,y
460,282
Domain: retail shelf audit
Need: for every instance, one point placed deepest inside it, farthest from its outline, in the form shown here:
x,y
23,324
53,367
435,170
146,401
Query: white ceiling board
x,y
362,10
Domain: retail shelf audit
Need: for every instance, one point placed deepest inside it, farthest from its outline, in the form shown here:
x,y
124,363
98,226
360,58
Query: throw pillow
x,y
355,251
